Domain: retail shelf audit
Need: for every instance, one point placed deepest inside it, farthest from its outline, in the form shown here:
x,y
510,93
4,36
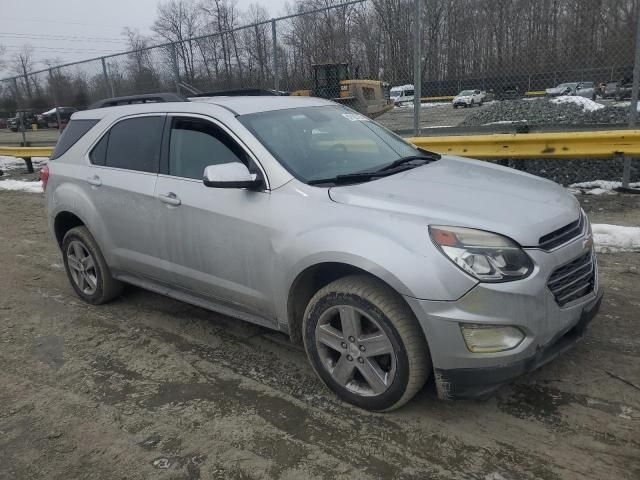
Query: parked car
x,y
387,262
581,89
508,92
468,98
13,124
585,89
610,90
50,117
562,89
402,94
25,118
623,91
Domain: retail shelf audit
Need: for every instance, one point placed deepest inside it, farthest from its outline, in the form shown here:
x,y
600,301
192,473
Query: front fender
x,y
409,270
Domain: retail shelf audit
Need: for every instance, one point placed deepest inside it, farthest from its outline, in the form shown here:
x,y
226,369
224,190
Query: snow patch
x,y
506,122
409,104
14,163
615,238
587,104
625,105
598,187
21,185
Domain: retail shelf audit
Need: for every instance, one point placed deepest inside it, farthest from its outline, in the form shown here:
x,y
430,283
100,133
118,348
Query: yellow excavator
x,y
333,81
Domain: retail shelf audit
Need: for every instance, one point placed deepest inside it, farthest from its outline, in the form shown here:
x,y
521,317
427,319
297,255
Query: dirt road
x,y
148,387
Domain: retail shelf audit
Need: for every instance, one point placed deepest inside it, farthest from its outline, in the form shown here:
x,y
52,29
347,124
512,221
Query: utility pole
x,y
633,113
417,70
274,41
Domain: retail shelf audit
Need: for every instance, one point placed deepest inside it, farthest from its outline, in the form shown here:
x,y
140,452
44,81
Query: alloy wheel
x,y
355,350
82,268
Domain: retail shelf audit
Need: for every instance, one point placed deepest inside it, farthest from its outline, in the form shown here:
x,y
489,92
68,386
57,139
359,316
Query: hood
x,y
469,193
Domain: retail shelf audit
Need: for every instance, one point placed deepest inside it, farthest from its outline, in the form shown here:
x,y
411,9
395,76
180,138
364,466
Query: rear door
x,y
218,239
122,178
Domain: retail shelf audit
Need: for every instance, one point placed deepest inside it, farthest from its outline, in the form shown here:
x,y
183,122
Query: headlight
x,y
490,338
487,256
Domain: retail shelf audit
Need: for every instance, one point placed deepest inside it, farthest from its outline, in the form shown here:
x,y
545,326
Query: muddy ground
x,y
148,387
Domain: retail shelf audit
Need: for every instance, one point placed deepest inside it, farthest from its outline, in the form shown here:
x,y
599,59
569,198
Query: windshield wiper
x,y
408,159
348,178
381,172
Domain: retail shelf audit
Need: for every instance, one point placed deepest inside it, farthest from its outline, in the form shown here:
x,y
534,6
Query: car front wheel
x,y
364,342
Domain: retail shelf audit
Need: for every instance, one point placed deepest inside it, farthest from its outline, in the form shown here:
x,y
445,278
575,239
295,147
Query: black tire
x,y
106,287
395,319
455,106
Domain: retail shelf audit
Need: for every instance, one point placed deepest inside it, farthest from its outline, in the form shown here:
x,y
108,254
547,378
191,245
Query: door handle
x,y
95,181
169,198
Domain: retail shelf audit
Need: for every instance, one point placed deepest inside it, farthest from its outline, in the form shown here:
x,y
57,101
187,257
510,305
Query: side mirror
x,y
230,175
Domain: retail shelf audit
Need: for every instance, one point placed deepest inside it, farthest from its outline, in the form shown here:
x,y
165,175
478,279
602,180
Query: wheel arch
x,y
318,275
63,222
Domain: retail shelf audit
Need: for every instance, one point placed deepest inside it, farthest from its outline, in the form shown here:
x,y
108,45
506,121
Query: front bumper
x,y
527,304
479,382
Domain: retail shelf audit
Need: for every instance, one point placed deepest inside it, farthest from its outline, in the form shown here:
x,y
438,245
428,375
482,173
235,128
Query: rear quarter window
x,y
76,129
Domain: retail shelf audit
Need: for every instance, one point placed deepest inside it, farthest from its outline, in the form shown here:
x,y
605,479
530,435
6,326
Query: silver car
x,y
388,262
580,89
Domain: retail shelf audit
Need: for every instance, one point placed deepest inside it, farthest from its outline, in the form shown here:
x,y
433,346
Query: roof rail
x,y
133,99
238,92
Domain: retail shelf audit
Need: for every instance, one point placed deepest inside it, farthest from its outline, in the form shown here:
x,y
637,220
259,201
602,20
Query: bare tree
x,y
179,21
23,64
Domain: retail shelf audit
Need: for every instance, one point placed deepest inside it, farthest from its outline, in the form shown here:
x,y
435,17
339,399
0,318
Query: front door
x,y
217,240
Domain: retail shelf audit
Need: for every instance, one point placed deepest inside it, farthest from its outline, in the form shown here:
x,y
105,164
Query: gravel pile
x,y
567,111
568,171
542,111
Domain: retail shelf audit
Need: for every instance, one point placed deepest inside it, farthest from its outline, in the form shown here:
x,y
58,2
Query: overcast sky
x,y
73,30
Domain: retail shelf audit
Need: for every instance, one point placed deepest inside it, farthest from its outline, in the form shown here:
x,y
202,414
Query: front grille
x,y
562,235
573,280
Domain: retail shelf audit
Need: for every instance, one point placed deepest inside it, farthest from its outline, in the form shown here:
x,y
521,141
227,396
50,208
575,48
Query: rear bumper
x,y
478,382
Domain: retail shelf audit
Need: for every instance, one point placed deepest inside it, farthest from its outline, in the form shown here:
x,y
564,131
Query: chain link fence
x,y
504,55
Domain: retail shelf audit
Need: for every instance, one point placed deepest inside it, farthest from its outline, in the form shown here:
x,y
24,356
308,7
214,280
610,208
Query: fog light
x,y
490,338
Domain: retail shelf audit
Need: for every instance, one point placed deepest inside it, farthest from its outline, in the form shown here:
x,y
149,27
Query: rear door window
x,y
134,144
76,129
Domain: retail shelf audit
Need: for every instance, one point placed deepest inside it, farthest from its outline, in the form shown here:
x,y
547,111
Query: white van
x,y
402,94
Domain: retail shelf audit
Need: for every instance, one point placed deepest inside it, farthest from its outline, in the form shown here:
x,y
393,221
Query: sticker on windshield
x,y
355,117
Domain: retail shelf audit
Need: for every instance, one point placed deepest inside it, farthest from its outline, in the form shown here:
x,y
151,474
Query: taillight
x,y
44,176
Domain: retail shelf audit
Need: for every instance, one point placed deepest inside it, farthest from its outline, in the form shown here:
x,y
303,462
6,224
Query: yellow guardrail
x,y
535,93
436,99
26,152
599,144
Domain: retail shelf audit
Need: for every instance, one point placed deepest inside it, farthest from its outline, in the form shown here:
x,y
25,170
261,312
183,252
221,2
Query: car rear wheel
x,y
87,269
364,342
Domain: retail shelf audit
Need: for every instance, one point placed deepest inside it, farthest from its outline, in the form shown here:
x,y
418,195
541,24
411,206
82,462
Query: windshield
x,y
322,142
466,93
567,85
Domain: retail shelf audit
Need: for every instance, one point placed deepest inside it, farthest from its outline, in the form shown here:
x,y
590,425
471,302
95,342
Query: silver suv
x,y
388,262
